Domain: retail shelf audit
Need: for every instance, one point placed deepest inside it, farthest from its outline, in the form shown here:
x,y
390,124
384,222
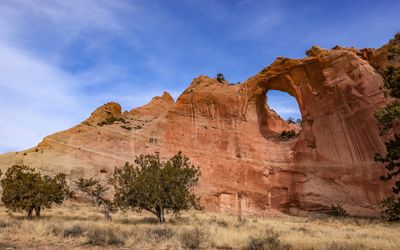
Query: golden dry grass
x,y
80,226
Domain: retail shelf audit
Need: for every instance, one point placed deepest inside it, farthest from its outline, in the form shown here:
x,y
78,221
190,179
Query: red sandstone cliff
x,y
234,137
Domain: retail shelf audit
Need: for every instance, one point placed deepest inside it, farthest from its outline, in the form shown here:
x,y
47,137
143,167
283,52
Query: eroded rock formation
x,y
230,132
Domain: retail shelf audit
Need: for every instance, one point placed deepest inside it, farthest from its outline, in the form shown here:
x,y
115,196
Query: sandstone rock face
x,y
230,132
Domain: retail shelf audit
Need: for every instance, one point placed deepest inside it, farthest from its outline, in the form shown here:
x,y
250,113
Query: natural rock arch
x,y
230,133
337,94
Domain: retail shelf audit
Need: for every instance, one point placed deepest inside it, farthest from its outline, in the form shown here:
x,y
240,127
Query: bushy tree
x,y
388,117
156,186
287,134
391,208
338,211
25,189
97,193
291,120
392,161
220,77
392,79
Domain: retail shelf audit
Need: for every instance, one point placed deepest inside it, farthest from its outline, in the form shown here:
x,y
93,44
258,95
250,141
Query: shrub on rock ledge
x,y
288,134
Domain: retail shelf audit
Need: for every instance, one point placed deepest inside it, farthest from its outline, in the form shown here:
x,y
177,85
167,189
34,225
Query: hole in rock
x,y
284,105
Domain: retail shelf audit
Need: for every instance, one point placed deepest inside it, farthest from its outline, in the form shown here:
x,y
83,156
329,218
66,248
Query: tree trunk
x,y
162,218
37,211
107,214
160,214
30,210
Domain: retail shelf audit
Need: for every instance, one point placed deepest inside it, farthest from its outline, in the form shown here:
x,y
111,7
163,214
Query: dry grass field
x,y
79,226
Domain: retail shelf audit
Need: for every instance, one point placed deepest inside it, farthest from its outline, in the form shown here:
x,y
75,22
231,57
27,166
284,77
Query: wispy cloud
x,y
36,99
284,104
61,59
39,95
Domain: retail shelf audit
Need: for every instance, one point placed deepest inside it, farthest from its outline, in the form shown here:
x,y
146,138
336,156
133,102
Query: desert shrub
x,y
126,127
291,120
338,211
193,239
391,208
220,223
4,224
388,115
8,246
220,77
241,221
74,231
255,244
156,186
105,236
110,120
97,193
392,80
56,230
269,242
288,134
179,220
25,189
345,246
237,83
162,233
148,220
393,53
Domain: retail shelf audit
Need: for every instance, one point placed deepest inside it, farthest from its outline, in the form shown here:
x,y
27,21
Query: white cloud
x,y
79,15
284,104
36,99
37,96
286,111
41,94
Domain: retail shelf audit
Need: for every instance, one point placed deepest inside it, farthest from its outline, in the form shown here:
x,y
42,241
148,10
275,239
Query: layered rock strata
x,y
231,133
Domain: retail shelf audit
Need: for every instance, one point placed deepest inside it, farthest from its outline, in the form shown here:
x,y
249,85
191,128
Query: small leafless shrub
x,y
4,224
338,211
105,236
162,233
74,231
269,242
345,246
193,239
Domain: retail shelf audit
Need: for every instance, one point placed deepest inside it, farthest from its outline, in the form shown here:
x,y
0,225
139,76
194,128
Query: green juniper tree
x,y
291,120
157,186
220,77
388,119
25,189
287,134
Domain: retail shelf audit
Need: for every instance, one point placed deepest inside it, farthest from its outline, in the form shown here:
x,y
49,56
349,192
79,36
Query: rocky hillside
x,y
234,137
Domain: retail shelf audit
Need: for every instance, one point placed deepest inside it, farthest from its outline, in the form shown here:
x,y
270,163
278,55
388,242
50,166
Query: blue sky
x,y
59,60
